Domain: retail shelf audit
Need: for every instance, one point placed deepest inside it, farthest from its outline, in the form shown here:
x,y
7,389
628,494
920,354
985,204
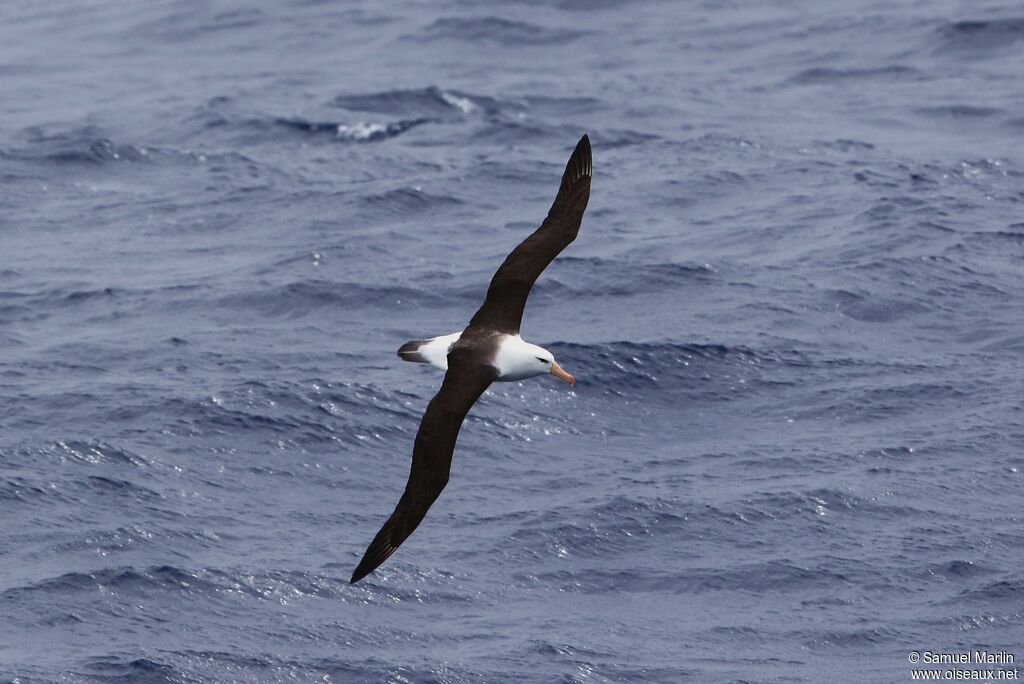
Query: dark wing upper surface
x,y
431,456
506,297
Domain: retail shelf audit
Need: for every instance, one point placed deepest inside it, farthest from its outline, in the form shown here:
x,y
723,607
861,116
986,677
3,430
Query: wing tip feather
x,y
581,163
373,559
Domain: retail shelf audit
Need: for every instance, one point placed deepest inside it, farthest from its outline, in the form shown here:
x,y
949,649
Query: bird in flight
x,y
488,350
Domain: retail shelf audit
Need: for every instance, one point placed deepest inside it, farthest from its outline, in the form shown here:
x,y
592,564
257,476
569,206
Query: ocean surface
x,y
795,310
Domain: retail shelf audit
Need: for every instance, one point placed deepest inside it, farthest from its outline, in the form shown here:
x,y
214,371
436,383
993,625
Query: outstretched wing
x,y
431,457
506,297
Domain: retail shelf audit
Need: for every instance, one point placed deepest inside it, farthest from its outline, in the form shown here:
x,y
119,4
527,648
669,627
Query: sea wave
x,y
496,30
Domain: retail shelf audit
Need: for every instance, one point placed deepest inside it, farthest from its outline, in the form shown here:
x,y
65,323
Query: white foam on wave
x,y
463,104
361,130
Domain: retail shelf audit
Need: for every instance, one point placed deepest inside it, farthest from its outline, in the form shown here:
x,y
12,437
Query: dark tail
x,y
410,351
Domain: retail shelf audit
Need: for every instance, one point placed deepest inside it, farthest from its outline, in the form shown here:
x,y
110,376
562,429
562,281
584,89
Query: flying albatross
x,y
488,350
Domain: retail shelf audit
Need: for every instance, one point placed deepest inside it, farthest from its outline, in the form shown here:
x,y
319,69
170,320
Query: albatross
x,y
488,350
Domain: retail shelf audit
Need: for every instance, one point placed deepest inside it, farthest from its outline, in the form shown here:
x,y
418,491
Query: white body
x,y
515,359
435,351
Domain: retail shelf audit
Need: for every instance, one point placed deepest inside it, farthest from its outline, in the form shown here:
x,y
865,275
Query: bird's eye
x,y
542,360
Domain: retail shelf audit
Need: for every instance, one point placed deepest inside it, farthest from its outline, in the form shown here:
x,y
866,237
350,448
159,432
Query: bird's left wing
x,y
431,457
506,297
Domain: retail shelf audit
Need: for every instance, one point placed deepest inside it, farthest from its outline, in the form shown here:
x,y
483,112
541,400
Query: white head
x,y
518,360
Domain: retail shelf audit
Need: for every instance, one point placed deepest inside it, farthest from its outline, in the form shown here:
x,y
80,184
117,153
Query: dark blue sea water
x,y
795,451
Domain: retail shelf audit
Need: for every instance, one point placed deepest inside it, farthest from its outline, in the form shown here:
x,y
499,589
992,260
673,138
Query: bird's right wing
x,y
506,297
431,457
